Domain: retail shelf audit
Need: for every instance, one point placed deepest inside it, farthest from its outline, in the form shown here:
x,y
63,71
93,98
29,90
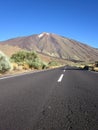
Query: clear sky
x,y
76,19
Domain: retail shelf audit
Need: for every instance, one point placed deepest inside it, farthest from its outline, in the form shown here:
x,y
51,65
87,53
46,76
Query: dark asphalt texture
x,y
38,101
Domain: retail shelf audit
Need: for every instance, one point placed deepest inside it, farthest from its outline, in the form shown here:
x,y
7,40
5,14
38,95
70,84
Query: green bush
x,y
4,63
36,65
30,58
44,66
52,63
33,64
22,56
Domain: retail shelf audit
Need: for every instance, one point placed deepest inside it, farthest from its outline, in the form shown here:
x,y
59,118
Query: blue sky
x,y
76,19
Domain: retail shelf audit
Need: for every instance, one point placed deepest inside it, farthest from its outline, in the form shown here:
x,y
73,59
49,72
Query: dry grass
x,y
26,67
96,69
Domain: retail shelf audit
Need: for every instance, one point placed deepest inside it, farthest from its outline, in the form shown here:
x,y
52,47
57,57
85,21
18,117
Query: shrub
x,y
34,64
91,68
29,58
52,63
26,66
86,67
96,63
4,63
14,66
44,66
22,56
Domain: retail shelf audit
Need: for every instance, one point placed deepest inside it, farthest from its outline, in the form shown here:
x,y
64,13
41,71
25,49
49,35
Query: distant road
x,y
58,99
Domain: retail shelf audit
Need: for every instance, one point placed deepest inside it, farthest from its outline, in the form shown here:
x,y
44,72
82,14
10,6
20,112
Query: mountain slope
x,y
56,46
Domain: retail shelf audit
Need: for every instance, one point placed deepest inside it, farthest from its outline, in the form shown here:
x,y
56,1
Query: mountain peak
x,y
43,34
55,46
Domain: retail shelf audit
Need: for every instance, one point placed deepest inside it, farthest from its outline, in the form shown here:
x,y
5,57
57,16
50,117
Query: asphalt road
x,y
60,99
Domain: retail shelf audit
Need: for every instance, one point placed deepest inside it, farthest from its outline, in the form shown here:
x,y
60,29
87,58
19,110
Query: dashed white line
x,y
60,78
64,70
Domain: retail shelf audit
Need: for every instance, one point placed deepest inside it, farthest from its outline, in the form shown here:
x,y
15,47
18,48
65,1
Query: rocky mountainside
x,y
55,46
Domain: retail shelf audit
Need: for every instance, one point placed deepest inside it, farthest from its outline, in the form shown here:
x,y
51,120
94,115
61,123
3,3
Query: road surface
x,y
60,99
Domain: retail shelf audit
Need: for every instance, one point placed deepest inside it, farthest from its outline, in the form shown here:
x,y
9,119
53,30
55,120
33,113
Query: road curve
x,y
60,99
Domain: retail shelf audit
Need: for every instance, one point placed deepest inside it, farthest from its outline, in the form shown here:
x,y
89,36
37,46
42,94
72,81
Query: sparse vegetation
x,y
24,61
26,58
23,56
4,63
91,66
53,63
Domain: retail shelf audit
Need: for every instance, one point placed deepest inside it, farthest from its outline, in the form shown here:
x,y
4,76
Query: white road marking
x,y
61,77
12,76
64,70
22,74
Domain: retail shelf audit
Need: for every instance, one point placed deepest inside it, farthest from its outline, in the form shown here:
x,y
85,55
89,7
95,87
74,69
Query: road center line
x,y
61,77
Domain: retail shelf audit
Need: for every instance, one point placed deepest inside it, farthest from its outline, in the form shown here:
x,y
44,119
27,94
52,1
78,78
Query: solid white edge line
x,y
16,75
60,78
26,73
